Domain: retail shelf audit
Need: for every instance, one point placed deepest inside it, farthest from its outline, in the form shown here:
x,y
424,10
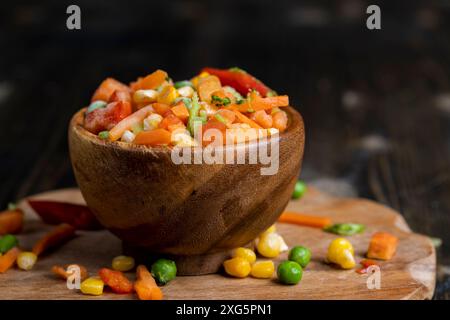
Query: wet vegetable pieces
x,y
155,111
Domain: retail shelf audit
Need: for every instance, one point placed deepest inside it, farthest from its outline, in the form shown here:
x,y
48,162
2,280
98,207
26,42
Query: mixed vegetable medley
x,y
154,110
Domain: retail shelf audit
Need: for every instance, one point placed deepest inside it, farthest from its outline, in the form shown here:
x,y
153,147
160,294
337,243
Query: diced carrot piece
x,y
177,126
61,271
160,108
152,81
262,118
304,220
135,118
8,259
280,120
145,285
213,124
382,246
11,221
180,111
153,137
208,85
229,115
170,119
107,88
256,103
244,119
57,237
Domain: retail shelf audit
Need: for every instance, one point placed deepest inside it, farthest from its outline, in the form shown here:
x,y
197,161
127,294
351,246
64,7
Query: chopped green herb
x,y
103,135
220,118
271,93
194,114
240,101
184,83
12,206
345,229
237,96
187,102
220,101
236,69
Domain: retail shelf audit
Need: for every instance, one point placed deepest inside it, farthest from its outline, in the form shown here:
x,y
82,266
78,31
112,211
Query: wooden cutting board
x,y
409,275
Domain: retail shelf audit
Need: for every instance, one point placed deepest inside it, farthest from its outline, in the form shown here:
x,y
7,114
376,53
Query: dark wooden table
x,y
376,103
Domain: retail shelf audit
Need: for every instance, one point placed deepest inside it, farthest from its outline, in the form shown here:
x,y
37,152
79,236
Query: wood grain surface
x,y
409,275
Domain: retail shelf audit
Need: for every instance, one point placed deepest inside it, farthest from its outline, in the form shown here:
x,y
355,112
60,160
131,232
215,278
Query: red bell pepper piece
x,y
106,118
240,80
78,216
116,280
366,263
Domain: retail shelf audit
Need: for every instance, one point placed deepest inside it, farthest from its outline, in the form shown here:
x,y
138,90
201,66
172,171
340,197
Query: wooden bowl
x,y
192,213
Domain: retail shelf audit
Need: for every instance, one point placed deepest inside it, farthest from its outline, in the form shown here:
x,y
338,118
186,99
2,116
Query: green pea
x,y
164,271
299,189
301,255
7,242
345,229
99,104
181,84
103,135
289,272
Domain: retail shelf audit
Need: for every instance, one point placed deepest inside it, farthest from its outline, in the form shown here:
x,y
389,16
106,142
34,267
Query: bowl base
x,y
192,265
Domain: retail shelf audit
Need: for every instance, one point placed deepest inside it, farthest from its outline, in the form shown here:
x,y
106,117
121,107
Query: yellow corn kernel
x,y
168,95
271,229
145,96
269,245
340,252
186,91
237,267
26,260
92,286
245,253
195,79
123,263
263,269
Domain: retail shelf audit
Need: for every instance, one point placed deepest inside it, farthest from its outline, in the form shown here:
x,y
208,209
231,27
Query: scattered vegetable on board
x,y
78,216
164,270
341,253
55,238
366,263
382,246
345,229
115,280
11,220
65,271
123,263
145,285
289,272
299,190
304,220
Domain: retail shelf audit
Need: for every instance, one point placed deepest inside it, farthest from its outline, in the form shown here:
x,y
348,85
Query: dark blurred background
x,y
376,103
